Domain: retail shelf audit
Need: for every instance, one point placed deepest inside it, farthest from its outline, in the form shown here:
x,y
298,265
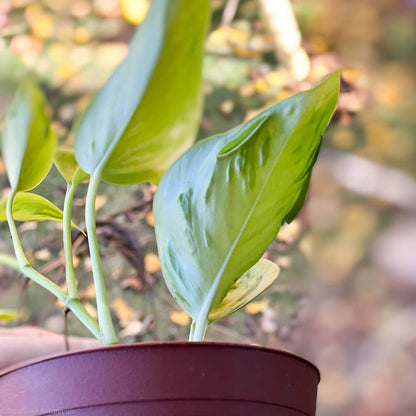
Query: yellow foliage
x,y
43,255
351,74
108,8
225,34
358,222
254,308
134,11
2,167
276,78
319,44
378,134
100,201
123,311
290,232
82,35
283,94
91,309
66,70
89,292
57,52
41,23
150,219
261,85
343,138
110,54
219,37
180,318
247,90
227,106
80,8
243,52
132,329
20,3
237,36
25,44
152,263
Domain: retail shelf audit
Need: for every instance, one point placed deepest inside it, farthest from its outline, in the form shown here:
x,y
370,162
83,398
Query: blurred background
x,y
346,296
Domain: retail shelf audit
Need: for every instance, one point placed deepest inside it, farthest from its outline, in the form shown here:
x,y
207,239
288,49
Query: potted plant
x,y
216,210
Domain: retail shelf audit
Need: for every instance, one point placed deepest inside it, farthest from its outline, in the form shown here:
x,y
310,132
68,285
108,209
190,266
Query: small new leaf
x,y
250,285
67,165
32,207
28,142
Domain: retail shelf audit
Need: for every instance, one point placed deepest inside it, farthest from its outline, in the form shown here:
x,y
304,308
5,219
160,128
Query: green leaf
x,y
32,207
67,165
148,112
221,204
28,142
250,285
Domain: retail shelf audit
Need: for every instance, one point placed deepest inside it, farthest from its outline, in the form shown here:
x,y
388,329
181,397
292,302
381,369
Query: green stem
x,y
201,322
192,330
201,325
27,270
9,261
71,281
22,261
78,309
108,333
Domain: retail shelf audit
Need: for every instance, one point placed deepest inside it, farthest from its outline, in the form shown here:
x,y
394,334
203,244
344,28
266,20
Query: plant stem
x,y
74,302
192,330
201,325
23,262
9,261
71,281
78,309
108,333
27,270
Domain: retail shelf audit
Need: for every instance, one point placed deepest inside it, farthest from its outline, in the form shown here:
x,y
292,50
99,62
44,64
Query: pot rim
x,y
159,344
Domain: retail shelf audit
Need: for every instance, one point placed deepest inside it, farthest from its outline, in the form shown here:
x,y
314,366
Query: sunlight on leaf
x,y
133,135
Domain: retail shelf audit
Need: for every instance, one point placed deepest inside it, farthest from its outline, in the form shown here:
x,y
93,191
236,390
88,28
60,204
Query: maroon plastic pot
x,y
163,379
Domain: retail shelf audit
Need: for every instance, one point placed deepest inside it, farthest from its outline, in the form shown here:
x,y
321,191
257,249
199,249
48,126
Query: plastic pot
x,y
163,379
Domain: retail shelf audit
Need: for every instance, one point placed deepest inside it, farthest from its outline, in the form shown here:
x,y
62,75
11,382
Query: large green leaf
x,y
221,204
32,207
148,112
250,285
28,142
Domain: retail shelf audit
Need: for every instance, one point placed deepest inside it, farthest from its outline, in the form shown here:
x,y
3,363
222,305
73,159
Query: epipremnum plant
x,y
216,208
